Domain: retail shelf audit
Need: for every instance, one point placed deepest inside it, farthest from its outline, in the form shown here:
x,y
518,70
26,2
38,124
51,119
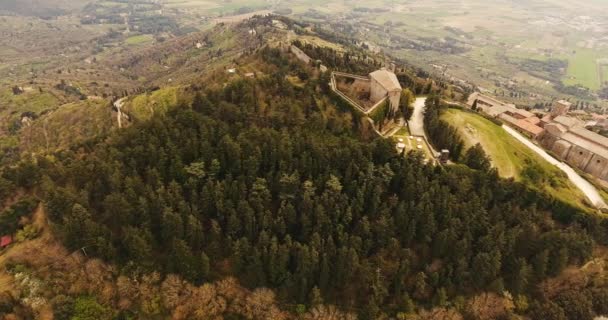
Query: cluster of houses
x,y
565,136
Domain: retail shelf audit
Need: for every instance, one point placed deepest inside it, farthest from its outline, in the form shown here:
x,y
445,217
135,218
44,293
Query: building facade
x,y
568,139
384,84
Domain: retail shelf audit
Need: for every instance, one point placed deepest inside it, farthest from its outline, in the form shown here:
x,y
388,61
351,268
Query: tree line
x,y
270,183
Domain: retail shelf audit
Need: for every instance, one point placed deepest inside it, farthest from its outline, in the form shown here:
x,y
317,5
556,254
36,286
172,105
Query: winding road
x,y
118,104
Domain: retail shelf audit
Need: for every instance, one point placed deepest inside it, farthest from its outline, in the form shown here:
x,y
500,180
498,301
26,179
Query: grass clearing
x,y
69,124
31,100
140,39
321,43
143,106
512,158
508,155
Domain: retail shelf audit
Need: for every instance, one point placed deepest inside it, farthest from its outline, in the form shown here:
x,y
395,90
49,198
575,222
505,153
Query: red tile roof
x,y
5,241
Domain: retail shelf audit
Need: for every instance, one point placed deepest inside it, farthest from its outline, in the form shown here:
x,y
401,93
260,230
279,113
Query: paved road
x,y
587,188
416,123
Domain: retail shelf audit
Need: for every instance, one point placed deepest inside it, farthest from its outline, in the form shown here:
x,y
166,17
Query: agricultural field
x,y
584,69
512,49
512,158
141,39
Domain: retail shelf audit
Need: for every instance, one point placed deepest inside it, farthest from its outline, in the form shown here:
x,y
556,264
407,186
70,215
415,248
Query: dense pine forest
x,y
271,183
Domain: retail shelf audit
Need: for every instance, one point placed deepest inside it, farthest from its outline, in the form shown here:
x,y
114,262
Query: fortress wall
x,y
377,92
548,140
598,166
394,98
579,157
561,148
300,54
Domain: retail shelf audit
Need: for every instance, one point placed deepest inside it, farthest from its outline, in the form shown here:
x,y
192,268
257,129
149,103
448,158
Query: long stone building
x,y
522,120
568,139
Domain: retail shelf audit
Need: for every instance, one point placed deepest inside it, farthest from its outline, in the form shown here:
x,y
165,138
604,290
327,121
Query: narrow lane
x,y
118,104
416,123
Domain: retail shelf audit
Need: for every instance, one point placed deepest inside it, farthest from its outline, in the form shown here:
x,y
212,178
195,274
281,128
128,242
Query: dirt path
x,y
118,104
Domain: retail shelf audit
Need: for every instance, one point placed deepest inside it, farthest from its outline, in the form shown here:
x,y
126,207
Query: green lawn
x,y
511,157
583,69
412,144
32,100
135,40
143,106
604,74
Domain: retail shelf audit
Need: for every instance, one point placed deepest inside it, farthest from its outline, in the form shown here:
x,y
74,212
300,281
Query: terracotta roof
x,y
387,79
522,112
533,120
529,127
497,110
5,241
565,103
568,121
522,124
556,129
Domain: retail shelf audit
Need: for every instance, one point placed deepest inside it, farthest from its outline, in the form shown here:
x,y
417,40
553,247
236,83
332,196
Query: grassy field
x,y
511,157
583,69
135,40
31,100
143,106
69,124
490,47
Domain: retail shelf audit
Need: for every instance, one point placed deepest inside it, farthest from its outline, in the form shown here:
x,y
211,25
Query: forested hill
x,y
266,180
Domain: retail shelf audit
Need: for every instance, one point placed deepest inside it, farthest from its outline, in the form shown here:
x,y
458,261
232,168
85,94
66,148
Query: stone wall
x,y
394,98
377,91
561,148
598,167
579,157
300,54
576,156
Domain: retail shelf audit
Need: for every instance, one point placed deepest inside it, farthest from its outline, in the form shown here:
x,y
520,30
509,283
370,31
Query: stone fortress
x,y
385,85
367,93
564,136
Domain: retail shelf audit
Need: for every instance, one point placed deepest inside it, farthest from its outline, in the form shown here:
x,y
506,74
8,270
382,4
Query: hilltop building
x,y
564,136
568,139
385,84
367,93
522,120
